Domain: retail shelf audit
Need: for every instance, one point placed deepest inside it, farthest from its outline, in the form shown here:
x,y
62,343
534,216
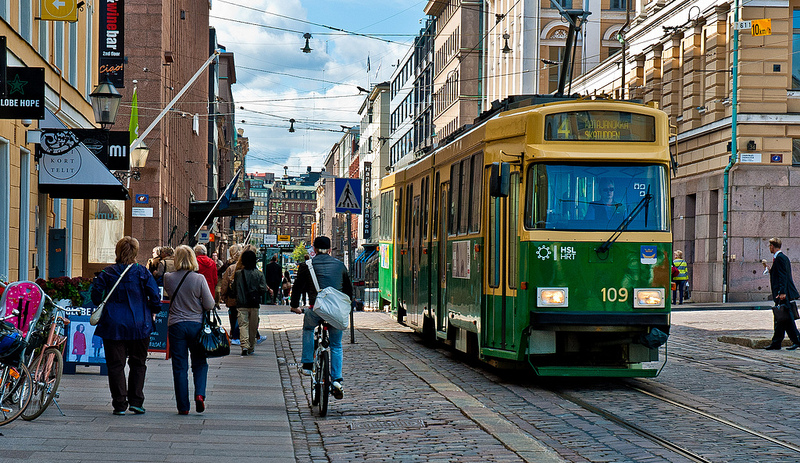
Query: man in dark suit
x,y
783,292
274,273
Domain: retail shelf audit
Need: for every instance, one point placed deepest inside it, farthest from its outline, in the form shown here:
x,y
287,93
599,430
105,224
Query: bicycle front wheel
x,y
325,383
15,392
46,377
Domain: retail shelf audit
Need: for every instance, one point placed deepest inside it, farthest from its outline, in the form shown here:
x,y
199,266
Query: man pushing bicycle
x,y
329,272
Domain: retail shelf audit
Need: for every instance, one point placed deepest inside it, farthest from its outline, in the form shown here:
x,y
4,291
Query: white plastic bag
x,y
334,307
331,305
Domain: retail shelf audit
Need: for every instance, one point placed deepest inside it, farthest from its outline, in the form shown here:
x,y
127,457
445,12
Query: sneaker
x,y
338,390
261,339
306,369
136,410
183,412
235,342
245,352
251,351
119,412
200,403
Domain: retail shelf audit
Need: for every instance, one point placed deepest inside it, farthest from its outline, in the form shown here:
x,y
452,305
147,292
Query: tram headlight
x,y
552,297
644,298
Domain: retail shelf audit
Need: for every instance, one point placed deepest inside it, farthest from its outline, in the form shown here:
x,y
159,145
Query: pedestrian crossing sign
x,y
348,195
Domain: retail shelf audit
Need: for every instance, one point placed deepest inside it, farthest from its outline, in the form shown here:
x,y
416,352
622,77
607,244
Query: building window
x,y
619,4
566,4
796,151
796,49
25,20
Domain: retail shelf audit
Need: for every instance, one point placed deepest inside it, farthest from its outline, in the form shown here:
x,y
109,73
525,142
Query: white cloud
x,y
337,64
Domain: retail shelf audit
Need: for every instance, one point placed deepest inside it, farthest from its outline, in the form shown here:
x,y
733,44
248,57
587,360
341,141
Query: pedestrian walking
x,y
250,287
783,292
227,292
126,324
682,277
189,297
329,272
286,287
166,264
274,274
207,267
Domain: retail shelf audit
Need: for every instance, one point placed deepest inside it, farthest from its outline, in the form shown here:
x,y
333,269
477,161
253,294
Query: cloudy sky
x,y
277,82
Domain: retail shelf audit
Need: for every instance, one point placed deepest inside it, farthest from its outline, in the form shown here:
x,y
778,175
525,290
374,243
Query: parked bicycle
x,y
47,367
321,382
15,380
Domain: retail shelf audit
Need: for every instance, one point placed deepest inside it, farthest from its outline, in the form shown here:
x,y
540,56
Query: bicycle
x,y
15,383
47,367
321,382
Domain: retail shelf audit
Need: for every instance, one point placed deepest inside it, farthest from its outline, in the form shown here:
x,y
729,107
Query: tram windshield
x,y
595,197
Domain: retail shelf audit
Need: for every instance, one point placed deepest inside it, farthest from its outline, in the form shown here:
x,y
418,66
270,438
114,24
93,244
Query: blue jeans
x,y
680,288
310,321
182,340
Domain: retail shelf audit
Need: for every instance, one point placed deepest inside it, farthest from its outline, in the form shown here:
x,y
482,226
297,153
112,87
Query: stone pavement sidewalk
x,y
245,419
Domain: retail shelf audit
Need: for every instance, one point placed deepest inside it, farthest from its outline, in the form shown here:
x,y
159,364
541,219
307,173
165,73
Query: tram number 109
x,y
614,294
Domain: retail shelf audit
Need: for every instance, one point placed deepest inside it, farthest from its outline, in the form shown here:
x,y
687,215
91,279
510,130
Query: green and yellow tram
x,y
540,235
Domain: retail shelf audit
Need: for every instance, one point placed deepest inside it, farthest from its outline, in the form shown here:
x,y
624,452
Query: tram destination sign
x,y
24,98
611,126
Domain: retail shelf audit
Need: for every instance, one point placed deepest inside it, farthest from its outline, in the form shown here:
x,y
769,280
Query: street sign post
x,y
761,27
347,192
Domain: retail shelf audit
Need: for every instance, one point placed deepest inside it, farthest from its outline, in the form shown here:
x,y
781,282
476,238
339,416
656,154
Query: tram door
x,y
502,270
441,297
413,309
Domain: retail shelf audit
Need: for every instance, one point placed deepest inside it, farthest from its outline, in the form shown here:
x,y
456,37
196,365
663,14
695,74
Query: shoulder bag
x,y
212,336
331,304
98,312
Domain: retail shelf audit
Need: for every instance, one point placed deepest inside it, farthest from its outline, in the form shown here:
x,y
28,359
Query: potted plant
x,y
60,288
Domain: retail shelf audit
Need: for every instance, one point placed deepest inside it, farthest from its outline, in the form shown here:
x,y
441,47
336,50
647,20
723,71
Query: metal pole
x,y
734,151
349,272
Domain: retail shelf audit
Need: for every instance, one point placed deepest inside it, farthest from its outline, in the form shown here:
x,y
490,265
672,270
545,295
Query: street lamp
x,y
139,155
105,103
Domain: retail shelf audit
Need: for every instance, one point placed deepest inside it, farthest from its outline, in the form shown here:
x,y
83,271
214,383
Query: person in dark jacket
x,y
250,286
329,272
783,292
274,274
126,324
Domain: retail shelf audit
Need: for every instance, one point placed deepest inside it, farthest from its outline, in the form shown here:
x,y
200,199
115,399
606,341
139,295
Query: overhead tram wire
x,y
344,31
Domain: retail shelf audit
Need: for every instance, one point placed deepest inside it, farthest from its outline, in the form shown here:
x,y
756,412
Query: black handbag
x,y
783,313
212,337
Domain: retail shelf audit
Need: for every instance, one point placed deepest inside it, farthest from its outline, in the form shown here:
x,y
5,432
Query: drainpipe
x,y
734,152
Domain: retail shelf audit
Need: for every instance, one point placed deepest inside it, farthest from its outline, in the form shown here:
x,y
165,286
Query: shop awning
x,y
365,254
68,169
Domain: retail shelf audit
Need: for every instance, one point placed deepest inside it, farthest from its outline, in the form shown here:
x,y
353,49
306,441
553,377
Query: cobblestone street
x,y
405,401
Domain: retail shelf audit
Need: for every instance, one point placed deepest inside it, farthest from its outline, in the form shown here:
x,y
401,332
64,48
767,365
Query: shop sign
x,y
112,42
24,94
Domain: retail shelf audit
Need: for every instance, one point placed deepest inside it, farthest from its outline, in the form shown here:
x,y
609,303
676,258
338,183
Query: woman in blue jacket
x,y
126,324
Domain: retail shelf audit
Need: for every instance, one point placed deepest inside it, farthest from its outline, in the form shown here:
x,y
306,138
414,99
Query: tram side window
x,y
436,188
399,212
425,206
455,193
513,233
387,199
466,196
409,193
477,192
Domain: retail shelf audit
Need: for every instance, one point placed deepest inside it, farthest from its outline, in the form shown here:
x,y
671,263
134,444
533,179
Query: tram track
x,y
643,431
765,378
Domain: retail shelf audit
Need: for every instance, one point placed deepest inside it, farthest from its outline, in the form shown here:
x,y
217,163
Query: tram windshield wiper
x,y
644,203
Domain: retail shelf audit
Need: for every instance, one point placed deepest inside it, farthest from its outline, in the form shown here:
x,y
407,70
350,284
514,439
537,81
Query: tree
x,y
299,252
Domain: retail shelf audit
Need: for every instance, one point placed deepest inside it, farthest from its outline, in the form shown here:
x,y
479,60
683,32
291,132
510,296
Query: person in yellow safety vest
x,y
682,278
